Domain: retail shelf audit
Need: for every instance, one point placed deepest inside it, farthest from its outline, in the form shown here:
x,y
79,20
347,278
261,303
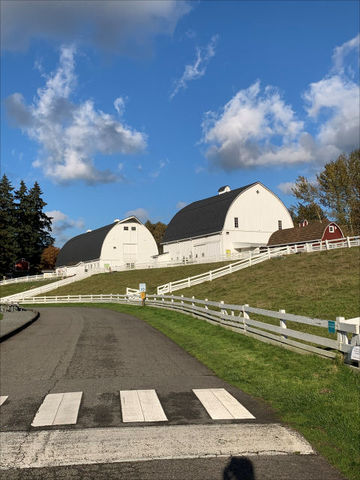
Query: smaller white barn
x,y
122,244
225,224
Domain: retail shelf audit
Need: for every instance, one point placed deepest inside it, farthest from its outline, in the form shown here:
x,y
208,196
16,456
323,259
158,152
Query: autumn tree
x,y
48,257
157,230
335,193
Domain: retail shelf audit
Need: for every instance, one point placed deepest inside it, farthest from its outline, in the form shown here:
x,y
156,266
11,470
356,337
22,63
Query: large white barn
x,y
230,222
124,243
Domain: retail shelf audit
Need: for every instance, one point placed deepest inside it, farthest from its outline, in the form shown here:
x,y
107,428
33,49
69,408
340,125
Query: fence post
x,y
327,244
268,252
172,298
283,325
206,307
348,242
342,338
210,275
189,282
182,301
170,290
193,304
245,315
287,250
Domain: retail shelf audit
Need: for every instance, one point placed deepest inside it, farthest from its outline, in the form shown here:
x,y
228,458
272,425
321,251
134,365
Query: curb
x,y
20,327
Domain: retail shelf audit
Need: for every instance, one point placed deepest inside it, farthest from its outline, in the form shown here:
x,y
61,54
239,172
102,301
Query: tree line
x,y
25,230
334,194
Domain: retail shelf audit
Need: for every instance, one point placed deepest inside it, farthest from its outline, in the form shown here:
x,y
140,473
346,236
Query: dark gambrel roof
x,y
203,217
84,247
312,231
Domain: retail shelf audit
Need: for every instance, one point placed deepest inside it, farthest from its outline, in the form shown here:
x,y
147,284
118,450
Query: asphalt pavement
x,y
100,352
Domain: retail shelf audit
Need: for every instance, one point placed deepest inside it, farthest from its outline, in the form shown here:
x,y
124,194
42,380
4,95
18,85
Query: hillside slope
x,y
116,282
324,284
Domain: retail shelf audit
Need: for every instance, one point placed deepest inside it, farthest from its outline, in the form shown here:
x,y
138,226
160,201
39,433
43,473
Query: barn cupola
x,y
224,189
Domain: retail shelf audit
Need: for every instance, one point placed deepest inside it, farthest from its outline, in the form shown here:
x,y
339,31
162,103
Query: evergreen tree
x,y
23,222
8,240
40,223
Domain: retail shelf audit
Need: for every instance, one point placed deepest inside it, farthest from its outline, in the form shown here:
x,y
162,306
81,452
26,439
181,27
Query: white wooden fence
x,y
268,253
243,319
31,278
44,288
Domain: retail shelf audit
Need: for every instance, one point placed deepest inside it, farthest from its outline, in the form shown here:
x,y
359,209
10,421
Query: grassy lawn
x,y
322,285
13,288
116,282
318,397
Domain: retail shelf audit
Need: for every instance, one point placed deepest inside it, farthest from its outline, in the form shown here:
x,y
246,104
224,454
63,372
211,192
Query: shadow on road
x,y
239,468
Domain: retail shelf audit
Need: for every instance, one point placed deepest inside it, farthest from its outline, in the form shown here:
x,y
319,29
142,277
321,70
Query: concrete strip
x,y
237,410
212,405
112,445
130,406
58,409
151,406
3,399
141,406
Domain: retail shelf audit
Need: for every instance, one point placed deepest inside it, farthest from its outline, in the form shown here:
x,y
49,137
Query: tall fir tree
x,y
40,227
8,238
23,221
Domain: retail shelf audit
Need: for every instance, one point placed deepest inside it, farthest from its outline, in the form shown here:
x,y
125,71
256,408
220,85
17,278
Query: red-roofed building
x,y
306,232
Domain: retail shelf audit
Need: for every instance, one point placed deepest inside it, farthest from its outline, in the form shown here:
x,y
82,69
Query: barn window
x,y
126,228
114,247
227,233
279,224
203,254
236,222
133,228
331,229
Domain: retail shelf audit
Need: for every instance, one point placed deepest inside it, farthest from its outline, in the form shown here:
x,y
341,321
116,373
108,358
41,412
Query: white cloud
x,y
181,205
61,223
70,134
119,105
286,187
162,164
256,127
198,68
341,52
240,135
141,213
121,26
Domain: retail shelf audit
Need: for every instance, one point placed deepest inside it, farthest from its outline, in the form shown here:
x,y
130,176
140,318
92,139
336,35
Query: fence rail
x,y
31,278
266,254
242,319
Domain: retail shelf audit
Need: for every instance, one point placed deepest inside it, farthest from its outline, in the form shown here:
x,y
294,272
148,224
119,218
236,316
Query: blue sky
x,y
142,107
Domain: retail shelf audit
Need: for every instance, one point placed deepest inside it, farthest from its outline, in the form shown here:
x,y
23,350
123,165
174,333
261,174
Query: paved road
x,y
99,353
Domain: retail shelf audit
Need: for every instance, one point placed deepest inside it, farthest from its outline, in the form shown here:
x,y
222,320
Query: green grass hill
x,y
323,284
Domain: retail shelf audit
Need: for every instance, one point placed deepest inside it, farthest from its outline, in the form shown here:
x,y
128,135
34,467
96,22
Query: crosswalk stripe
x,y
3,399
141,406
58,409
221,405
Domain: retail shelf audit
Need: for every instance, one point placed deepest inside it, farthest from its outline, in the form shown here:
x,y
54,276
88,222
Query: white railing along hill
x,y
255,322
45,288
270,252
32,278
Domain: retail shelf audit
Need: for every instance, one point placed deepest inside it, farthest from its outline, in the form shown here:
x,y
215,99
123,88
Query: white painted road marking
x,y
220,405
111,445
141,406
3,399
58,409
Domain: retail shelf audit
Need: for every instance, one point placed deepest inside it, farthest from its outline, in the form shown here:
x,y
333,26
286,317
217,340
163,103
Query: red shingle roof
x,y
311,232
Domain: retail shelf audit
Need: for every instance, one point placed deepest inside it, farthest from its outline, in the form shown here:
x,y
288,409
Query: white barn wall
x,y
258,215
131,246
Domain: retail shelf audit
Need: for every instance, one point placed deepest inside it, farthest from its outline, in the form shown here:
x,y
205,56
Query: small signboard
x,y
355,354
331,326
142,287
